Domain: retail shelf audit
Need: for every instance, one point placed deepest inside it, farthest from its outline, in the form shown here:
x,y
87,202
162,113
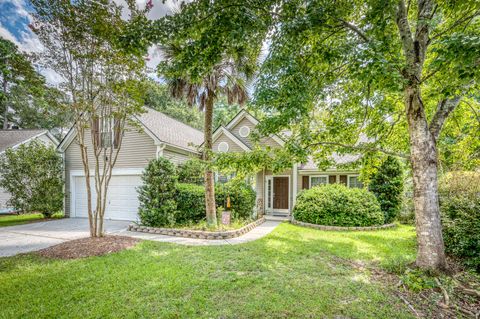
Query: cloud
x,y
16,17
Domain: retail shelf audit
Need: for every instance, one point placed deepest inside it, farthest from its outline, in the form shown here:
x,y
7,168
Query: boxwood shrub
x,y
157,194
460,208
338,205
190,200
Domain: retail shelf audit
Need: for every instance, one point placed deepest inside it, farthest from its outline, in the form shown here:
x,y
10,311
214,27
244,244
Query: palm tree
x,y
229,77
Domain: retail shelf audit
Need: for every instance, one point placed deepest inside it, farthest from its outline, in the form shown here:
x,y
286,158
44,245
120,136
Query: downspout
x,y
160,148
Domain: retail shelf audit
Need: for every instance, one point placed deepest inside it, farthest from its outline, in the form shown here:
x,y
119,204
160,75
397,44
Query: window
x,y
318,180
223,147
269,191
354,182
244,131
106,132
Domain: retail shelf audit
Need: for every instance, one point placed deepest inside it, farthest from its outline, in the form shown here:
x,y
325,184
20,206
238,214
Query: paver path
x,y
257,233
35,236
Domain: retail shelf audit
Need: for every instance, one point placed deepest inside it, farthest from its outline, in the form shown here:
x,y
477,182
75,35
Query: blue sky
x,y
15,18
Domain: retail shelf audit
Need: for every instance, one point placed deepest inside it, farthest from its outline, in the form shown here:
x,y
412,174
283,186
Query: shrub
x,y
32,174
242,198
157,194
191,171
190,203
460,209
338,205
387,185
191,200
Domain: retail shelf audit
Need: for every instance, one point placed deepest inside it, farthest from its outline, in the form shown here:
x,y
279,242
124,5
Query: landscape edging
x,y
198,234
340,228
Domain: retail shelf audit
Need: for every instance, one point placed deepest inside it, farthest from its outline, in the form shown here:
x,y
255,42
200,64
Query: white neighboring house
x,y
13,138
159,135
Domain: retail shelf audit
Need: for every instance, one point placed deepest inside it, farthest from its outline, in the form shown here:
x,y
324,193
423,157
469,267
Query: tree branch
x,y
363,148
456,24
405,32
355,29
444,108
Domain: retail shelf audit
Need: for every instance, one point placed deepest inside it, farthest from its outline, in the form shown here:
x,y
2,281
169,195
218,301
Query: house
x,y
13,138
276,193
159,135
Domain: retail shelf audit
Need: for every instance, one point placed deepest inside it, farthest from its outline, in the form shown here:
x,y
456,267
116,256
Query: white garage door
x,y
122,197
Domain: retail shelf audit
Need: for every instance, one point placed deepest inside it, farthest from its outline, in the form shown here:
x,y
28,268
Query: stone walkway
x,y
35,236
260,231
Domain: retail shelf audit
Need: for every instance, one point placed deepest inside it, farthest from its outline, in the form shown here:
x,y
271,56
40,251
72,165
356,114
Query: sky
x,y
15,17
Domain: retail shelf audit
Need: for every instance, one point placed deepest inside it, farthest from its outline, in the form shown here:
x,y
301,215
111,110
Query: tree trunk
x,y
209,180
424,160
5,113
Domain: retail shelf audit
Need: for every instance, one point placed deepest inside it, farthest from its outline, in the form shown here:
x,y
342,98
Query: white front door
x,y
122,197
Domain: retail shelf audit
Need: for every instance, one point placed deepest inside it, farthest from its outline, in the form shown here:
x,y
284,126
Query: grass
x,y
294,272
11,220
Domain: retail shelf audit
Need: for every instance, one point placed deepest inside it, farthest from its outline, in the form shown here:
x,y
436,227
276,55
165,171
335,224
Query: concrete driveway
x,y
35,236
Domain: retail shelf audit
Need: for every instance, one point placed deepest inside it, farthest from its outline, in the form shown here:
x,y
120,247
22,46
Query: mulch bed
x,y
86,247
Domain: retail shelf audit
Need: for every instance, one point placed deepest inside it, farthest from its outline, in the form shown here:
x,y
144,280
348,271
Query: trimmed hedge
x,y
460,208
190,203
156,195
191,200
338,205
387,185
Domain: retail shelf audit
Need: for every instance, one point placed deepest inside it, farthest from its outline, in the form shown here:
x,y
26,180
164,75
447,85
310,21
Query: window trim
x,y
348,179
240,131
310,179
101,131
226,149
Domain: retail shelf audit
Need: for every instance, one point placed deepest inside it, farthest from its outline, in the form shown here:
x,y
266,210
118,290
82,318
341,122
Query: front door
x,y
280,193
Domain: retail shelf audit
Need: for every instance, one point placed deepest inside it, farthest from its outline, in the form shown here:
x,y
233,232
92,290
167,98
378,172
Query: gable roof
x,y
171,131
14,137
236,140
245,114
162,129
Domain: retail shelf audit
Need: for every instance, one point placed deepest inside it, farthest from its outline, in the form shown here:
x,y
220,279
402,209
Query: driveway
x,y
35,236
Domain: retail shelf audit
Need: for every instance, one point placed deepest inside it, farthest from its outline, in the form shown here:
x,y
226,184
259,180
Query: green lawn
x,y
294,272
11,220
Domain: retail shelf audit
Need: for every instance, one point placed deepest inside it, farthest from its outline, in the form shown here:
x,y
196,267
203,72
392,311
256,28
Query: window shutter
x,y
305,182
343,179
96,131
117,133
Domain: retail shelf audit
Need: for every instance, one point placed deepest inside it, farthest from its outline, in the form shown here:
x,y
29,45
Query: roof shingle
x,y
10,138
171,131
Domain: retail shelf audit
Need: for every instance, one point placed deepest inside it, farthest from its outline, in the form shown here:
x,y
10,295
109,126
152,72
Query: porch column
x,y
295,184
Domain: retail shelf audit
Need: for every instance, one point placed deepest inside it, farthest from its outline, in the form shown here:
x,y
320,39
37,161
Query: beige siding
x,y
236,130
259,189
136,151
268,141
177,157
232,146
